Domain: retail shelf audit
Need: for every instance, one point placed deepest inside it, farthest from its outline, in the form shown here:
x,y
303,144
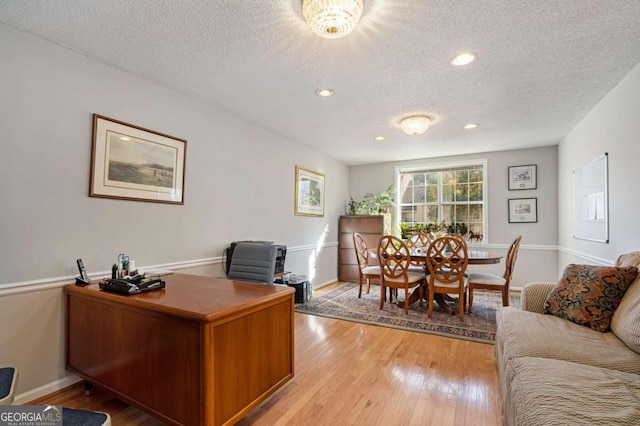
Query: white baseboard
x,y
47,389
326,283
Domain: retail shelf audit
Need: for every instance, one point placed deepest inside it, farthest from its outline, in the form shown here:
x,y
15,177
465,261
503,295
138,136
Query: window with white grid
x,y
453,193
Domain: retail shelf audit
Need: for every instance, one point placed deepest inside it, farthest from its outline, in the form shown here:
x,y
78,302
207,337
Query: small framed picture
x,y
523,210
132,163
309,196
523,177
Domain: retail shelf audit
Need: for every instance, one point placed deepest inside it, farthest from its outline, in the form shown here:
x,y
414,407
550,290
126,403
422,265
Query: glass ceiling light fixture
x,y
415,124
332,18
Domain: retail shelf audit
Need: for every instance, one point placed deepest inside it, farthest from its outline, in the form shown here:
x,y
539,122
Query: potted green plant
x,y
458,228
381,202
357,208
404,231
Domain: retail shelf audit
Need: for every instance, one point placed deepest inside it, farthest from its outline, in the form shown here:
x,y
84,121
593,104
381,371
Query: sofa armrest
x,y
534,295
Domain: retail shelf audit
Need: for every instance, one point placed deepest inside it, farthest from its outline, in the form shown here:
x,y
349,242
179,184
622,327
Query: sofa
x,y
556,372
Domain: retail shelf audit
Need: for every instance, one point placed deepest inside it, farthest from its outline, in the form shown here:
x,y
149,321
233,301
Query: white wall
x,y
613,126
239,185
539,240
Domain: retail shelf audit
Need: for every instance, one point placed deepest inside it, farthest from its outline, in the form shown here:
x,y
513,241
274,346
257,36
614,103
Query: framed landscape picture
x,y
523,177
523,210
132,163
309,197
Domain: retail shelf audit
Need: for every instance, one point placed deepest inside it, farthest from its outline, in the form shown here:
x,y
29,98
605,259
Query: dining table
x,y
419,255
476,257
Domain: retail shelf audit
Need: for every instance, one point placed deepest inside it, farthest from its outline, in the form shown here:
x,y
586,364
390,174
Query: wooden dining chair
x,y
447,262
458,236
395,258
422,241
486,281
366,271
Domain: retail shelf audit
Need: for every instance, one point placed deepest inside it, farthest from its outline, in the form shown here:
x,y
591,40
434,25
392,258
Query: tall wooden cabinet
x,y
371,228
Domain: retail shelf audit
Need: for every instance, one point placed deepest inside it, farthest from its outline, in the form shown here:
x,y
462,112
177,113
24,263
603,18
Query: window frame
x,y
435,166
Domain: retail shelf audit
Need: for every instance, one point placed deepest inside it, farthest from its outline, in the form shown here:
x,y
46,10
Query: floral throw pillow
x,y
589,295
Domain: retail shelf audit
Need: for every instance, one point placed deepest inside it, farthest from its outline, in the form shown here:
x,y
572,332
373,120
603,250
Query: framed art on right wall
x,y
523,210
523,177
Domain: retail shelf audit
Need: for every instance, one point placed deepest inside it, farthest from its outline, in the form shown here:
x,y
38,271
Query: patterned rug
x,y
342,303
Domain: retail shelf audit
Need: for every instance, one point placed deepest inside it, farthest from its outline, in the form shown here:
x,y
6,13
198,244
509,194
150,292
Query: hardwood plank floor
x,y
356,374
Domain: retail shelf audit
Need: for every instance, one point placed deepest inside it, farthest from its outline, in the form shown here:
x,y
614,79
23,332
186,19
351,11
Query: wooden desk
x,y
202,351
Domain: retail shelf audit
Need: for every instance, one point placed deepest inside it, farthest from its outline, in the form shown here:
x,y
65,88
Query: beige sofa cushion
x,y
545,392
626,319
529,334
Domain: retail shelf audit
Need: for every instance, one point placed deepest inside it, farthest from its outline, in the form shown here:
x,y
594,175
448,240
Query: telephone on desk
x,y
134,285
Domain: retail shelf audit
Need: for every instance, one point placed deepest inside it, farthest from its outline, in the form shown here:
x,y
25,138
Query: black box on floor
x,y
303,291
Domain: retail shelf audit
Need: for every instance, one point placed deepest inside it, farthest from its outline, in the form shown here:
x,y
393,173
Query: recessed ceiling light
x,y
463,59
324,92
124,138
379,138
470,126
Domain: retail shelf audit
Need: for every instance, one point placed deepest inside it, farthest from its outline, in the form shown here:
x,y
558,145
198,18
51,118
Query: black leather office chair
x,y
8,379
254,262
70,416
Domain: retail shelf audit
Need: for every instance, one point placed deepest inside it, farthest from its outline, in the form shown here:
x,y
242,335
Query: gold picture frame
x,y
309,193
132,163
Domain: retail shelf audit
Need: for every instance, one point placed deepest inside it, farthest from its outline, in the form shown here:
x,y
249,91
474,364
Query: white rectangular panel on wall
x,y
591,201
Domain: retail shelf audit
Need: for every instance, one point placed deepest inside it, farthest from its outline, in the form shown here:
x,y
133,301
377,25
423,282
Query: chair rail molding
x,y
55,282
585,256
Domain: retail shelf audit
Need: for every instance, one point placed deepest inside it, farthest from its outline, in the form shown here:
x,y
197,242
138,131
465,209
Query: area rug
x,y
342,303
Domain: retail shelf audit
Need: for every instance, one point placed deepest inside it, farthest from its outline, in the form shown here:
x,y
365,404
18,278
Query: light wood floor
x,y
355,374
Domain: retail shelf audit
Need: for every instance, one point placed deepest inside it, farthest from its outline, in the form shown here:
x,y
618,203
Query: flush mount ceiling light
x,y
470,126
463,59
324,92
332,18
415,125
379,138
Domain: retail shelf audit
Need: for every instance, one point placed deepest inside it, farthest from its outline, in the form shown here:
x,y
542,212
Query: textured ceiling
x,y
542,65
